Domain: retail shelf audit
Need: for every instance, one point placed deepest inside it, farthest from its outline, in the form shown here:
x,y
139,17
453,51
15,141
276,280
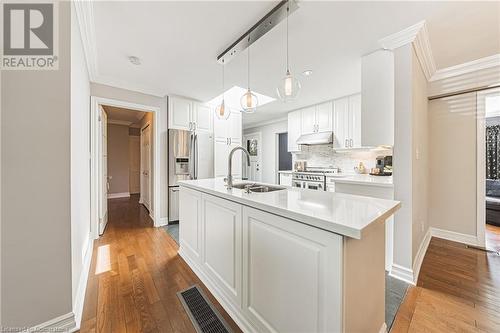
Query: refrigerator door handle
x,y
191,155
195,155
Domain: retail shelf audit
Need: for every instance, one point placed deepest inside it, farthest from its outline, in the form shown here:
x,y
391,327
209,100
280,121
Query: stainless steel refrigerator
x,y
190,156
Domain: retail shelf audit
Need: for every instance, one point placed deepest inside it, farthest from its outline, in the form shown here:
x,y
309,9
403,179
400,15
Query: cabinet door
x,y
220,157
203,117
290,268
221,237
190,223
293,130
355,120
179,113
340,122
221,127
324,117
308,122
285,179
235,126
237,158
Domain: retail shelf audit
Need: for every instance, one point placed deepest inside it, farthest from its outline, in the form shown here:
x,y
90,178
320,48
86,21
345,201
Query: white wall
x,y
36,206
268,148
80,165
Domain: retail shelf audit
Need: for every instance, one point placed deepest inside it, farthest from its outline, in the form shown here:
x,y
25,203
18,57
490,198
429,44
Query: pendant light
x,y
290,86
249,100
222,111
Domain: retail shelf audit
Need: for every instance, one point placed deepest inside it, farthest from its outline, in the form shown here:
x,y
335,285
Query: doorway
x,y
284,156
253,142
114,143
488,105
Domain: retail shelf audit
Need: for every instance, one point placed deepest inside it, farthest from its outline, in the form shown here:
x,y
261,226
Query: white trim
x,y
119,122
162,222
454,236
141,200
64,323
264,123
490,62
118,195
85,14
418,35
481,169
419,257
383,329
402,273
94,125
82,284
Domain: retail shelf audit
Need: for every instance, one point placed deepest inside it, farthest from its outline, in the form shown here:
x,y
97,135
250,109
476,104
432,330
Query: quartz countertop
x,y
344,214
361,179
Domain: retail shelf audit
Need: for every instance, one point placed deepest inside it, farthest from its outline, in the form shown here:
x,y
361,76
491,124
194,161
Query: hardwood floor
x,y
493,238
135,275
458,290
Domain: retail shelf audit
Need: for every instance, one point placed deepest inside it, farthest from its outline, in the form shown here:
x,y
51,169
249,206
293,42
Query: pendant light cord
x,y
223,86
287,12
248,64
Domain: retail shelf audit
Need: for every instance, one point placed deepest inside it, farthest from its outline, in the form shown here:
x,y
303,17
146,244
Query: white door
x,y
293,130
134,144
179,113
104,184
253,143
324,116
220,157
203,118
355,120
308,121
340,122
146,166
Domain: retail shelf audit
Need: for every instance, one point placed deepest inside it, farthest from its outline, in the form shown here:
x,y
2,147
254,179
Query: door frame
x,y
95,101
141,201
244,141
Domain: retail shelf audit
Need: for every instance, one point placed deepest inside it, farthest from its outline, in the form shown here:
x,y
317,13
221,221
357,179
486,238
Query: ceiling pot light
x,y
307,72
221,111
134,60
290,86
249,100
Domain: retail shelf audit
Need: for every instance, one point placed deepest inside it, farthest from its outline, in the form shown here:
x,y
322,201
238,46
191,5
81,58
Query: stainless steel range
x,y
312,178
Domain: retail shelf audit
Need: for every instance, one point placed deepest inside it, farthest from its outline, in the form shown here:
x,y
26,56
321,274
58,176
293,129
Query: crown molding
x,y
85,15
119,122
418,36
491,62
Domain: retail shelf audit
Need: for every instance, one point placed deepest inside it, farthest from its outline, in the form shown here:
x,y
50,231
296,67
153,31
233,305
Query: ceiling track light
x,y
290,86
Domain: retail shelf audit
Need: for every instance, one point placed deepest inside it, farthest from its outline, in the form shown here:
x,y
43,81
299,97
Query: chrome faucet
x,y
229,178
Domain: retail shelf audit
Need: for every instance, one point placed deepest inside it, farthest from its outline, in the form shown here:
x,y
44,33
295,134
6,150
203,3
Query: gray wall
x,y
118,160
36,249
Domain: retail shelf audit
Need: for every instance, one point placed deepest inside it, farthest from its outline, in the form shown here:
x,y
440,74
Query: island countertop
x,y
343,214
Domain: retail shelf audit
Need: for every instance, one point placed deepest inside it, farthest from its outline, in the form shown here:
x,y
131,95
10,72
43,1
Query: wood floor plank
x,y
135,275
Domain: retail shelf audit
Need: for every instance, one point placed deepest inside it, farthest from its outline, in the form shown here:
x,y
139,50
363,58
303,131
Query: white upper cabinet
x,y
186,114
235,126
377,106
317,118
347,122
294,130
228,135
324,116
308,122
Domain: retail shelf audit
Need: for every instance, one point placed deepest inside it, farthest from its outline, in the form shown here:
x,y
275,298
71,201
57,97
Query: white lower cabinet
x,y
271,273
285,179
221,238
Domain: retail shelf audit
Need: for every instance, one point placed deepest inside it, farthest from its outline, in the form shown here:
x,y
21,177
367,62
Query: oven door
x,y
298,183
318,186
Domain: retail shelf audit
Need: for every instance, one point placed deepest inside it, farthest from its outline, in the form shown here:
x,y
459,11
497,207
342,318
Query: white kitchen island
x,y
292,260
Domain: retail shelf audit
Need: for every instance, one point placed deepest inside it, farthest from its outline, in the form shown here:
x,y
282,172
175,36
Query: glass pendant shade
x,y
222,111
249,102
289,89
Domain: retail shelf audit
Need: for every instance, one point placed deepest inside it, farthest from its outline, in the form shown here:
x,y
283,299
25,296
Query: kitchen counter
x,y
344,214
365,179
314,254
285,171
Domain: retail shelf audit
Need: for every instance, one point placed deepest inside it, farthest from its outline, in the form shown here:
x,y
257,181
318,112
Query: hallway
x,y
134,277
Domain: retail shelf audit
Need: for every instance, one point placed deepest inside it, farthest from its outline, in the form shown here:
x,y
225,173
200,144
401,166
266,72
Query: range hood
x,y
322,138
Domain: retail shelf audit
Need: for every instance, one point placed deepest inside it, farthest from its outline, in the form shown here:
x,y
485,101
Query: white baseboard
x,y
118,195
455,236
82,284
419,258
383,329
162,221
64,323
402,273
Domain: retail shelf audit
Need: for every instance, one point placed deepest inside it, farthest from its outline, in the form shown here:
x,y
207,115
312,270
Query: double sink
x,y
257,187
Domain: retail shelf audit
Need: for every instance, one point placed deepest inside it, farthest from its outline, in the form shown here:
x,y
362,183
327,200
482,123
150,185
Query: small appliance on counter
x,y
300,166
383,166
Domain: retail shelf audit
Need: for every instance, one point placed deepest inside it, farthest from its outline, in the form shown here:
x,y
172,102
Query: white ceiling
x,y
178,43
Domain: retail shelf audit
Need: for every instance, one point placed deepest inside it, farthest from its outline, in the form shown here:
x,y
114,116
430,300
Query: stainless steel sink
x,y
257,188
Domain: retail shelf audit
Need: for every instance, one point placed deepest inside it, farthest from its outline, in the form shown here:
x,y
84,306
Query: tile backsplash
x,y
324,156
